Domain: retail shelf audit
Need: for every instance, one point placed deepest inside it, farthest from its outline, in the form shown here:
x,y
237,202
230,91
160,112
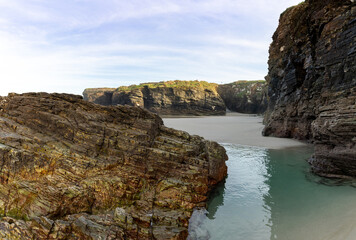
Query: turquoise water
x,y
271,194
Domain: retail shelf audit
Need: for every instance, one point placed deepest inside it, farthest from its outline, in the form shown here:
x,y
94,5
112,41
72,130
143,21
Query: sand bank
x,y
234,128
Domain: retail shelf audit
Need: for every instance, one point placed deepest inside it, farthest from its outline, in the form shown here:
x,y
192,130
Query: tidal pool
x,y
271,194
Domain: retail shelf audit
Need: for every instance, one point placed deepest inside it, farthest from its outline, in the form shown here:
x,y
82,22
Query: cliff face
x,y
244,96
71,169
168,98
102,96
312,82
186,97
173,100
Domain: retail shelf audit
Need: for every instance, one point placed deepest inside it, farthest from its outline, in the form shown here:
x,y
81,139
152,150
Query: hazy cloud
x,y
68,45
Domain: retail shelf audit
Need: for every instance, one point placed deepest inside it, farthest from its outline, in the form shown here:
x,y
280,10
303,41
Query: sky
x,y
70,45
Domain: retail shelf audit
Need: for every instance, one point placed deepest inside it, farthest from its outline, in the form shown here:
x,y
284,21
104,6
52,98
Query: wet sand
x,y
233,128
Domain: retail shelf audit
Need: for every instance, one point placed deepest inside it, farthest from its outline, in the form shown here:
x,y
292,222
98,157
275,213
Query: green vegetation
x,y
172,84
14,213
240,89
99,89
246,83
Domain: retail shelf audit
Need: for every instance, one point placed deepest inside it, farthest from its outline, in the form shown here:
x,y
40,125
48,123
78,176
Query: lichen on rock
x,y
77,170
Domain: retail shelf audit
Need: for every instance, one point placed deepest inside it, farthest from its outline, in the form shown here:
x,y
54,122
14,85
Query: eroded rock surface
x,y
165,98
244,96
312,82
102,96
186,97
71,169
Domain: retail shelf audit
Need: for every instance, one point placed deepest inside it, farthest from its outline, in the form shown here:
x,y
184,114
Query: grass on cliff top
x,y
172,84
246,83
99,89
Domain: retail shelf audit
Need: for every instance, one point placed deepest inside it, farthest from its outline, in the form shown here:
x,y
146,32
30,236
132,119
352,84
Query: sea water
x,y
271,194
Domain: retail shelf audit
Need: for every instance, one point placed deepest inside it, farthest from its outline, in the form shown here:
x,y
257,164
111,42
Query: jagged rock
x,y
165,98
101,96
71,169
186,97
244,96
312,82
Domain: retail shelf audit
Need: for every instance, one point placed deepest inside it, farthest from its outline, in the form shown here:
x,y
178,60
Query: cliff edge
x,y
245,96
165,98
312,82
71,169
186,97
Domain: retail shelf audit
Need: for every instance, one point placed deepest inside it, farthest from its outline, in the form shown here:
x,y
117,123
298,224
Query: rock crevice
x,y
71,169
186,97
312,82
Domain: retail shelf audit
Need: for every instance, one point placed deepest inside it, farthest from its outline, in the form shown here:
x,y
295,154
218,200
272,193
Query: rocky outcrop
x,y
102,96
168,98
71,169
312,82
186,97
244,96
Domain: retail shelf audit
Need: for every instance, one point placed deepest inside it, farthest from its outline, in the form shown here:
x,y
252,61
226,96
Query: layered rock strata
x,y
312,82
71,169
186,97
167,98
102,96
244,96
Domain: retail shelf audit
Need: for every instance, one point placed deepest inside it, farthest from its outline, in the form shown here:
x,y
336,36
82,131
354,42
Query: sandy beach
x,y
234,128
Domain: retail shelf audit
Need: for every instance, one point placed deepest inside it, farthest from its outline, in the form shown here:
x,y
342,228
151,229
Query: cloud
x,y
68,45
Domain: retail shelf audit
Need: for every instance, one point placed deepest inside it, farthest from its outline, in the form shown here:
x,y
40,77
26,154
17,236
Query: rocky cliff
x,y
244,96
186,97
312,82
71,169
102,96
167,98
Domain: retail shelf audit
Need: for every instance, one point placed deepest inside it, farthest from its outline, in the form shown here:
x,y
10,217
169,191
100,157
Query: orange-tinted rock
x,y
76,170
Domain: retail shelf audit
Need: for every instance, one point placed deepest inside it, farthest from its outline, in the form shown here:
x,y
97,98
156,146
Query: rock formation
x,y
185,97
102,96
244,96
312,82
71,169
166,98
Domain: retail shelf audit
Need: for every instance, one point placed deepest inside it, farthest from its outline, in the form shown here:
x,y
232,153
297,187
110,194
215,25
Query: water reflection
x,y
237,206
302,206
216,199
286,197
270,194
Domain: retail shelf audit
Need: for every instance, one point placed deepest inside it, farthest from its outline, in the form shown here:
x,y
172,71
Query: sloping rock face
x,y
312,82
244,96
166,98
71,169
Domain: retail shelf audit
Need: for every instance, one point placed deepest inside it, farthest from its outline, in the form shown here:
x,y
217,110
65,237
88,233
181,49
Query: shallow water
x,y
270,194
235,128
